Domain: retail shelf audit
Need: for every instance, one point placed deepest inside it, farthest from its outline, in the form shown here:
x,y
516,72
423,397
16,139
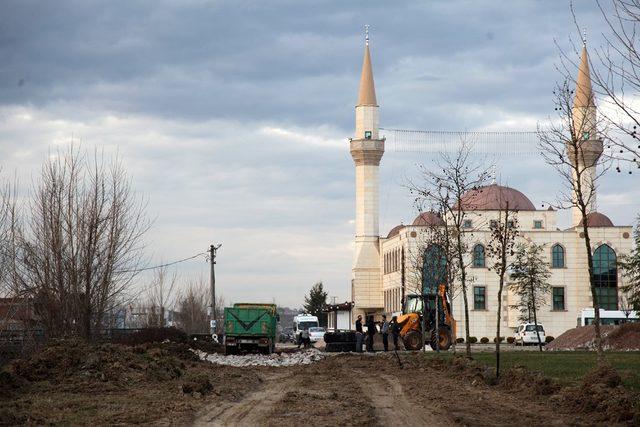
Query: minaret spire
x,y
367,92
584,92
366,149
586,135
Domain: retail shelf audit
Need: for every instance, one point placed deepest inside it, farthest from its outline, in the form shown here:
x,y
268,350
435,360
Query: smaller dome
x,y
428,219
395,231
596,219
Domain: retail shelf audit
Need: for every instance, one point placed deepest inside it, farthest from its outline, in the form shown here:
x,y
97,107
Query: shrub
x,y
484,340
460,340
511,340
473,340
496,339
549,338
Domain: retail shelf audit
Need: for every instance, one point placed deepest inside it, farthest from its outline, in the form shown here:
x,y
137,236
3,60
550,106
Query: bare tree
x,y
573,145
160,295
443,187
530,275
192,307
81,245
500,249
436,256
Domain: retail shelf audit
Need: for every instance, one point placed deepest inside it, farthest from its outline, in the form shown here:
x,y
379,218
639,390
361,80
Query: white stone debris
x,y
304,357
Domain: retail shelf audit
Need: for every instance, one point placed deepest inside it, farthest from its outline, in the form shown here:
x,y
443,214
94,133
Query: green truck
x,y
250,328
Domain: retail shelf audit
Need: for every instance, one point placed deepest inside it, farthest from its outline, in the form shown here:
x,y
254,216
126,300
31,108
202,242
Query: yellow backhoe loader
x,y
421,309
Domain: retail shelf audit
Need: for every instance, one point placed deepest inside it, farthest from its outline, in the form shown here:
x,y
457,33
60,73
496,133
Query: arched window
x,y
557,256
478,255
395,260
434,269
605,272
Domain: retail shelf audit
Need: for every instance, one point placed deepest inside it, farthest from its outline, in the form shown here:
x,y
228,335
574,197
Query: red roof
x,y
428,218
395,231
496,197
596,219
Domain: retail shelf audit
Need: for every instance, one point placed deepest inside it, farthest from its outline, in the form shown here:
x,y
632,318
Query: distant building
x,y
18,314
383,271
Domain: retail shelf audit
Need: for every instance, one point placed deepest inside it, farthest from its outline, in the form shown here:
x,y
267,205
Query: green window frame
x,y
478,256
605,275
537,224
557,256
558,298
479,298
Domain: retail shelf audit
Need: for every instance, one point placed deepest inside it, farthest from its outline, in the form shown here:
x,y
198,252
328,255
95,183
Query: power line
x,y
163,265
509,143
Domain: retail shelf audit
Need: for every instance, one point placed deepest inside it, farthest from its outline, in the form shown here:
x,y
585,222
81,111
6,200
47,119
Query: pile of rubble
x,y
624,337
305,357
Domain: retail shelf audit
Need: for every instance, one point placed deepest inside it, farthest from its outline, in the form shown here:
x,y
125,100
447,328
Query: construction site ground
x,y
74,383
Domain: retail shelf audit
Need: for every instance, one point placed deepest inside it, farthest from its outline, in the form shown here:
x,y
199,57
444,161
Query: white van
x,y
607,317
302,322
526,334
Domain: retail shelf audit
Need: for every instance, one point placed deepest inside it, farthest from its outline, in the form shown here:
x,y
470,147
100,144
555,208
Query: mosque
x,y
383,271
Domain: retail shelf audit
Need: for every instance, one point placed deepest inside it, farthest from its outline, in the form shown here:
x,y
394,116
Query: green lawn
x,y
567,367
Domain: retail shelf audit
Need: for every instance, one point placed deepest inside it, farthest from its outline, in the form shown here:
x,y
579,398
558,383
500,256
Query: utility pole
x,y
213,249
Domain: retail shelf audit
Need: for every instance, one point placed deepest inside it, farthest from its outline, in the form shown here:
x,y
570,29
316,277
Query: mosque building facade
x,y
384,266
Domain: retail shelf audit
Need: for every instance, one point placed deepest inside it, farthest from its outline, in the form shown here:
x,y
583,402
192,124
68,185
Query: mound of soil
x,y
73,382
601,395
70,360
625,337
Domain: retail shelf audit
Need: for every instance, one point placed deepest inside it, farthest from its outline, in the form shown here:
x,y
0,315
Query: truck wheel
x,y
445,339
413,340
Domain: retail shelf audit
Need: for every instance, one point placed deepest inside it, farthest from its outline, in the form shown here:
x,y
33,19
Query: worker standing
x,y
371,331
359,334
395,331
384,330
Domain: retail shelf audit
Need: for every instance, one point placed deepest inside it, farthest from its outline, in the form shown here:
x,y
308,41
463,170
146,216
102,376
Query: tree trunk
x,y
592,285
463,278
499,316
535,315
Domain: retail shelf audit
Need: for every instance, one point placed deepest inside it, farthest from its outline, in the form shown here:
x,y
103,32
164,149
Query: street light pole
x,y
213,249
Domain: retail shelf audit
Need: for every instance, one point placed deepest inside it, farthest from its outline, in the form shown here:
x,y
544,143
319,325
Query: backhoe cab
x,y
415,307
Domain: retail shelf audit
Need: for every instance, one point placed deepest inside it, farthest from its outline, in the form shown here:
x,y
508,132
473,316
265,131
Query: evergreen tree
x,y
631,270
530,281
315,302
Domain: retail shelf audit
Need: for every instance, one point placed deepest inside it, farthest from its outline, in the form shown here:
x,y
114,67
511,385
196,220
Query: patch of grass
x,y
567,367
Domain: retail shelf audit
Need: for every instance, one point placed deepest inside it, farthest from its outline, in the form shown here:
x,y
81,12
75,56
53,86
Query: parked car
x,y
316,333
526,334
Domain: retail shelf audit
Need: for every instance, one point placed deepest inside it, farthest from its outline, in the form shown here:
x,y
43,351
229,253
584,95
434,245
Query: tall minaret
x,y
367,149
585,130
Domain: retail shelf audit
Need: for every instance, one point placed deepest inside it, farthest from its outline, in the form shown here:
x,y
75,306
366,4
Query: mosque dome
x,y
395,231
596,219
428,219
495,197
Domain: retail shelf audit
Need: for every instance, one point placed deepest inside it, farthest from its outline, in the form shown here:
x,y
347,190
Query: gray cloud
x,y
232,116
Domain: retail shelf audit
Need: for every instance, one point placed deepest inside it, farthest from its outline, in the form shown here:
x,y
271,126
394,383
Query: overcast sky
x,y
232,117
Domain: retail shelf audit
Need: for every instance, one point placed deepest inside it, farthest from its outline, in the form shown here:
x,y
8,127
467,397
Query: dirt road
x,y
373,390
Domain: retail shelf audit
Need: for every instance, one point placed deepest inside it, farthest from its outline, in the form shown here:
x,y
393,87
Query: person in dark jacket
x,y
371,331
384,330
359,334
395,331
